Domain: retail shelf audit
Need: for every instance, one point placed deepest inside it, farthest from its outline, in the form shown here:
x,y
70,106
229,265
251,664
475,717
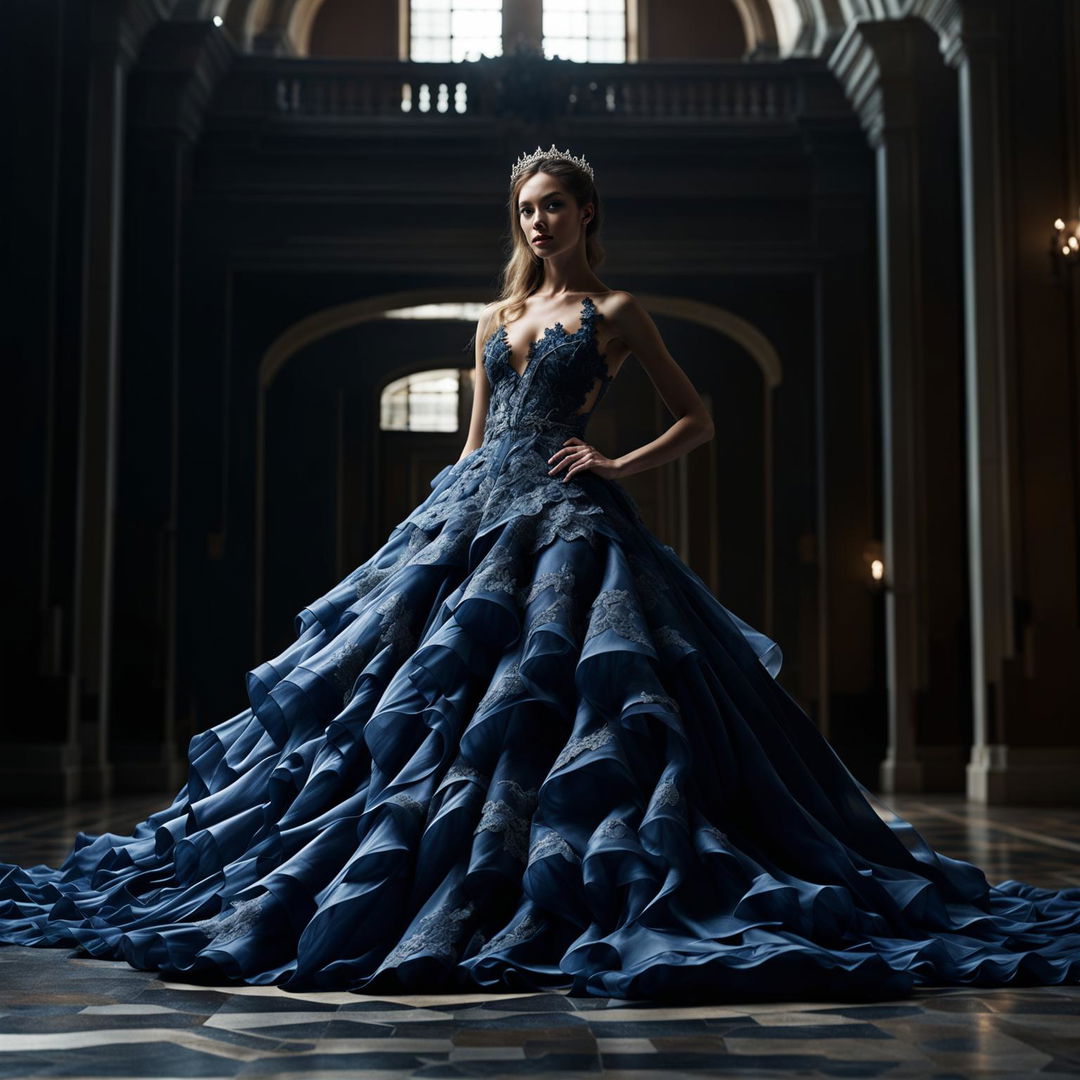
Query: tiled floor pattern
x,y
68,1017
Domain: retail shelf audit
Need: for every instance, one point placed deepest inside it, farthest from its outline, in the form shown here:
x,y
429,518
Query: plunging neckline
x,y
584,314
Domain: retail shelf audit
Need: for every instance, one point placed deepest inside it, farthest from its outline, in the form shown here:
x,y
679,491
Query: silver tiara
x,y
524,162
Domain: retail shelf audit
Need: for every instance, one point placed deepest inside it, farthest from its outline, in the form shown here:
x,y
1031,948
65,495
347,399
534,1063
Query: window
x,y
443,31
449,31
585,30
422,401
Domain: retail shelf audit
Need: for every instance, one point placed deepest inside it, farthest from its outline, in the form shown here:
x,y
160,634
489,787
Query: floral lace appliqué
x,y
614,609
614,829
368,577
438,932
561,580
670,638
230,926
578,744
649,698
495,574
551,843
524,930
508,684
512,817
463,770
394,628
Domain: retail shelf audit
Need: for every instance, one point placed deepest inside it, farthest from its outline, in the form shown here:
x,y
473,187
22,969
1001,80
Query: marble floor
x,y
67,1017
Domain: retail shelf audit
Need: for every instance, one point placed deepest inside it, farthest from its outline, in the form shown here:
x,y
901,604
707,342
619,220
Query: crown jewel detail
x,y
524,161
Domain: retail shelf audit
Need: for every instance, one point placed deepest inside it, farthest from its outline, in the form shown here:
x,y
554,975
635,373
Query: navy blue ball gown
x,y
523,747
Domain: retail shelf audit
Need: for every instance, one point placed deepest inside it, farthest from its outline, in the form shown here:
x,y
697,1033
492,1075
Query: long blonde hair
x,y
523,272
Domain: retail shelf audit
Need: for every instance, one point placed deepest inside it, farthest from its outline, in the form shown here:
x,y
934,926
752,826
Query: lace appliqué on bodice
x,y
557,381
531,414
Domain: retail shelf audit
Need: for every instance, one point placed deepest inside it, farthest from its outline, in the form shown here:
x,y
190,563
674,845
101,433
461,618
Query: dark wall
x,y
704,30
344,28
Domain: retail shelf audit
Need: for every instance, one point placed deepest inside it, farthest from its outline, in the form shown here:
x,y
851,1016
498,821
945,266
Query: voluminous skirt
x,y
524,747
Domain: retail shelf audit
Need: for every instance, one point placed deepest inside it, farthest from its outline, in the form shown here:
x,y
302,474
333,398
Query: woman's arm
x,y
693,425
481,387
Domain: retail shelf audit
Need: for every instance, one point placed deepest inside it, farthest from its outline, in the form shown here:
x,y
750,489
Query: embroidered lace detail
x,y
578,744
568,522
541,406
225,928
670,638
715,833
411,804
562,429
394,626
512,817
445,545
367,578
559,374
560,611
495,574
508,684
501,402
345,664
667,793
437,932
613,828
649,697
566,386
551,843
525,490
463,770
614,609
464,497
515,935
561,580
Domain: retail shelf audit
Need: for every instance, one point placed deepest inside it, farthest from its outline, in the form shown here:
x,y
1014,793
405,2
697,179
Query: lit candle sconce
x,y
874,558
1065,243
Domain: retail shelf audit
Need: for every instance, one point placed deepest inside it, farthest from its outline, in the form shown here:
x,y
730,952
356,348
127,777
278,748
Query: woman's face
x,y
544,209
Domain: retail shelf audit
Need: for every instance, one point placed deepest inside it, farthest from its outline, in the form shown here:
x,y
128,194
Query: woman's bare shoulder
x,y
616,302
485,321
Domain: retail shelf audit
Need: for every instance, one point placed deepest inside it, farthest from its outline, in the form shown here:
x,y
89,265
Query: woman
x,y
523,746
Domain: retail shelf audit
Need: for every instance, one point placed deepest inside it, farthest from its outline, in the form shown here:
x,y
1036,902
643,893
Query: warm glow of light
x,y
1058,223
218,20
877,569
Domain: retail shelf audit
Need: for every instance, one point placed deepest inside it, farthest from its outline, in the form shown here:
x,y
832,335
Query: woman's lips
x,y
541,239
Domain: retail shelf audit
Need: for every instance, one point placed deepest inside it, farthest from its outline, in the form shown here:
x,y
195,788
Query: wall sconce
x,y
874,558
1065,243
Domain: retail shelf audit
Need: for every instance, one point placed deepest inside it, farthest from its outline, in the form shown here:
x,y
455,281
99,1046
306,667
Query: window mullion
x,y
522,22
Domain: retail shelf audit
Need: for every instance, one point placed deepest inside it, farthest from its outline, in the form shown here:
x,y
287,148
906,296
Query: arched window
x,y
422,401
444,31
585,30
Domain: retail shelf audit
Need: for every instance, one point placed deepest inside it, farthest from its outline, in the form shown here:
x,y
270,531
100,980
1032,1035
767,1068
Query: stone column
x,y
89,701
178,69
879,64
999,771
